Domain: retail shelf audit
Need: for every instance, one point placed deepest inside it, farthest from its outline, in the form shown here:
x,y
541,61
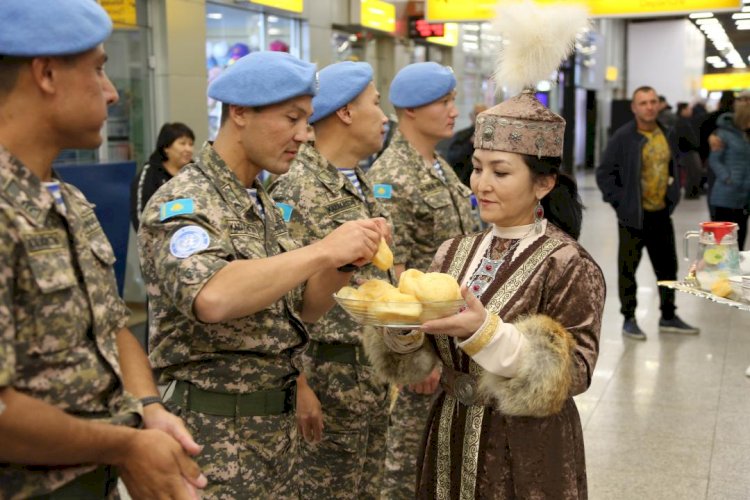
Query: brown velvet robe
x,y
482,452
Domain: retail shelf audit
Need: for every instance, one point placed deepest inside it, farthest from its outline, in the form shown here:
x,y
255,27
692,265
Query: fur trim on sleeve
x,y
394,367
545,375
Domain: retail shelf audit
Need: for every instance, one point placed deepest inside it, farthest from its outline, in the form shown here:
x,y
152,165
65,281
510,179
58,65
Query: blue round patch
x,y
188,240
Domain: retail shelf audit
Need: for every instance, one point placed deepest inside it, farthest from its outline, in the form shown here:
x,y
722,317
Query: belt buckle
x,y
466,389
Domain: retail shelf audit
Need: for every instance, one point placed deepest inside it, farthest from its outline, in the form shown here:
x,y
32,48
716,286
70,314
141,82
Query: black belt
x,y
226,404
339,353
97,484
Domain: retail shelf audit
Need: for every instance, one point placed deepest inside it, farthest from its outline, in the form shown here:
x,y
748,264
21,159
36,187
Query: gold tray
x,y
397,314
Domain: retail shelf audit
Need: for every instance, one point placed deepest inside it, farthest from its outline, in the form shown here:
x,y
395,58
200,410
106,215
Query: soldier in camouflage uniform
x,y
323,189
229,289
71,373
428,205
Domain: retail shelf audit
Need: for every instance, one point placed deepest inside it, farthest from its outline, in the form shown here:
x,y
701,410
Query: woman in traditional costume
x,y
505,425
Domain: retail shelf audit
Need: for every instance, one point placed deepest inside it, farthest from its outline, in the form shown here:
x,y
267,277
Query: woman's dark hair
x,y
169,133
562,206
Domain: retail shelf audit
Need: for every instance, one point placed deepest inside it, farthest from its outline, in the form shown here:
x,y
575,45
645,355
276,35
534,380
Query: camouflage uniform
x,y
348,463
246,454
59,314
426,210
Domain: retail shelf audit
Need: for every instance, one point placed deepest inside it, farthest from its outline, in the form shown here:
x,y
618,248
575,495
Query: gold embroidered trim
x,y
462,253
483,336
472,434
443,484
510,287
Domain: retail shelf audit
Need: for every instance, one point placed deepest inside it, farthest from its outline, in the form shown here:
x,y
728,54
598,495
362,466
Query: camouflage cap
x,y
520,125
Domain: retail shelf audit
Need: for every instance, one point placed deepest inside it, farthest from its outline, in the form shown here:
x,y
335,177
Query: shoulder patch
x,y
382,191
188,240
286,211
182,206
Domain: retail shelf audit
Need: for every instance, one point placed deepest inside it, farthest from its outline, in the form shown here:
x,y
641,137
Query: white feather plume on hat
x,y
536,39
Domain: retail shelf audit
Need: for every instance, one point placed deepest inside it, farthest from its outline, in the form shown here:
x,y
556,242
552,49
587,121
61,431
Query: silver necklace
x,y
488,268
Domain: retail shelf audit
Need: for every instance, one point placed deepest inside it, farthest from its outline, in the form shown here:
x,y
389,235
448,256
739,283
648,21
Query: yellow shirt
x,y
654,170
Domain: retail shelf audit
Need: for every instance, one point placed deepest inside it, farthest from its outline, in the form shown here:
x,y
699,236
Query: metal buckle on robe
x,y
465,388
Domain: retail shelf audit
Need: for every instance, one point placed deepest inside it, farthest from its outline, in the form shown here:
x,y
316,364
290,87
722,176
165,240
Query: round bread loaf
x,y
396,307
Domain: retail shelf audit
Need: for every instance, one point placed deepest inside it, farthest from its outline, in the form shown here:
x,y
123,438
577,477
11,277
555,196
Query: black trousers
x,y
657,236
738,215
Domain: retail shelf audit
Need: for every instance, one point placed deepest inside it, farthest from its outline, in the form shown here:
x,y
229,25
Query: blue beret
x,y
33,28
340,84
263,78
421,83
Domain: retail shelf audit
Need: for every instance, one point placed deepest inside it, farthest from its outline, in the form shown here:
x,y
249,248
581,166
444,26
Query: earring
x,y
538,216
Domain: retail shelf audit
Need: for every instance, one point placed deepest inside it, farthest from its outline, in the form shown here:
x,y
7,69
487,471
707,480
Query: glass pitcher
x,y
718,255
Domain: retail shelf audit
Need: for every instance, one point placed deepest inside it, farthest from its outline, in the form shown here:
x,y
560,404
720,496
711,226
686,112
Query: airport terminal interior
x,y
664,419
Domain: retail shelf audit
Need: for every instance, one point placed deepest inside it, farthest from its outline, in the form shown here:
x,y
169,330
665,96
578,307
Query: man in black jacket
x,y
638,178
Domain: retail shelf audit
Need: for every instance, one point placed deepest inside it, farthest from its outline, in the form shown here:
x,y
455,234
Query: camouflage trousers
x,y
404,444
348,463
247,457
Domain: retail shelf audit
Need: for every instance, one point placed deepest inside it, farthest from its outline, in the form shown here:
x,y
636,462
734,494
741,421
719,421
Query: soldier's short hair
x,y
10,67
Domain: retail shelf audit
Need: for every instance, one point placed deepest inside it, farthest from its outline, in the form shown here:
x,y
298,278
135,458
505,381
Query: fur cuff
x,y
397,368
545,374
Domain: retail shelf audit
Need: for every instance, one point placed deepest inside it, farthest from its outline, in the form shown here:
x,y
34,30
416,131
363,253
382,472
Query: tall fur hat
x,y
536,38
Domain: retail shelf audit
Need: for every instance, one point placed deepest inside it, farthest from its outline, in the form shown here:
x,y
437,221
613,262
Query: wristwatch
x,y
149,400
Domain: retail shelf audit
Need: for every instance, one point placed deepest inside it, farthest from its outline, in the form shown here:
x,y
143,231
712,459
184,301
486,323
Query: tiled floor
x,y
668,418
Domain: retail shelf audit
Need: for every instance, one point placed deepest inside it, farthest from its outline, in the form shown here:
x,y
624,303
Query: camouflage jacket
x,y
59,313
257,352
425,209
320,199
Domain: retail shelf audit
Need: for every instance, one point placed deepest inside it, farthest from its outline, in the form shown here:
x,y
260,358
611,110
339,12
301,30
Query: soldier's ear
x,y
344,114
410,112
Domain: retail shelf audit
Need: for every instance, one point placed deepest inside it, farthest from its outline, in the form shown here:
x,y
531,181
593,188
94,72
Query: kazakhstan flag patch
x,y
382,191
183,206
286,211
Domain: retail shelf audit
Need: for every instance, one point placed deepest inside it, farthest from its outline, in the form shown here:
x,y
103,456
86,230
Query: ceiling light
x,y
544,86
745,9
720,65
701,15
214,15
741,16
710,20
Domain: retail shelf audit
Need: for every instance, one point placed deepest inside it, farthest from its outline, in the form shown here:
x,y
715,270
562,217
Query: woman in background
x,y
730,162
174,150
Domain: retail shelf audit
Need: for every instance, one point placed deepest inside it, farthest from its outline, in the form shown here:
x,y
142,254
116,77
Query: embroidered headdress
x,y
536,38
